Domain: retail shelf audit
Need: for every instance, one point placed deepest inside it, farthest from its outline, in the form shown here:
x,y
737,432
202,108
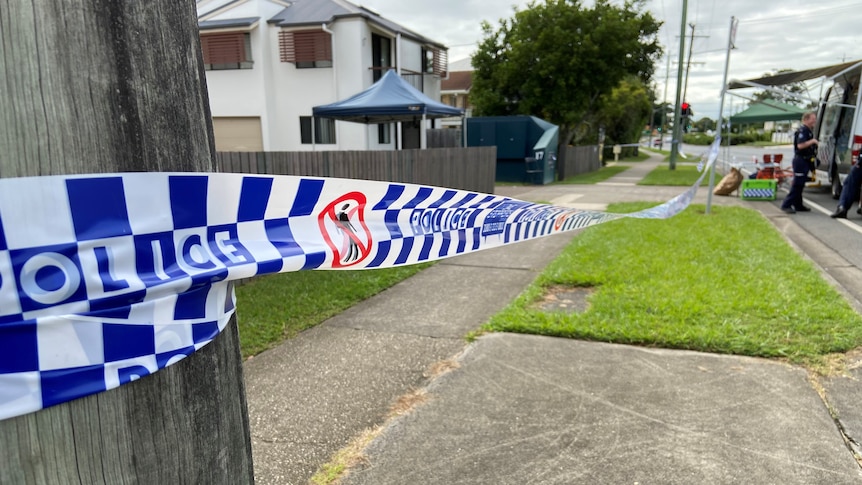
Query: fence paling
x,y
471,168
578,160
444,137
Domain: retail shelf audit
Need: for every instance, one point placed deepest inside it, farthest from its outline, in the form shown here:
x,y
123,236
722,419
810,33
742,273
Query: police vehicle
x,y
839,124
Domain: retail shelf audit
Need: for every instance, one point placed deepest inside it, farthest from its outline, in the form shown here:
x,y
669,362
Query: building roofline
x,y
364,13
247,22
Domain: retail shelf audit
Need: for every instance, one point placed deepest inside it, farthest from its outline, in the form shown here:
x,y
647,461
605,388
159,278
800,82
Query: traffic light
x,y
685,113
686,109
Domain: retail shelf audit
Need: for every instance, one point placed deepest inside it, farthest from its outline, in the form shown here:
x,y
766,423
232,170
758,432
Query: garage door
x,y
237,134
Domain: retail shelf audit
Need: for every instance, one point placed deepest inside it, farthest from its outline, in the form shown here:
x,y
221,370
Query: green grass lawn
x,y
666,153
684,175
640,157
274,307
599,175
725,282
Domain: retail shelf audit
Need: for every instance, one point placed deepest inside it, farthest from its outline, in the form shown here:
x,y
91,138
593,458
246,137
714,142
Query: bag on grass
x,y
729,183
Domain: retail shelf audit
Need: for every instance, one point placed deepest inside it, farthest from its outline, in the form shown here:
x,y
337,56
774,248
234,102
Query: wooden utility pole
x,y
688,65
93,86
677,118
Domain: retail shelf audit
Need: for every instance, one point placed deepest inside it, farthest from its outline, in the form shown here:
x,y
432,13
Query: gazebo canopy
x,y
768,110
391,99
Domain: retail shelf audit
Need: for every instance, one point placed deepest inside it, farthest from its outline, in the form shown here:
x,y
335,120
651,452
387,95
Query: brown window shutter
x,y
223,48
305,46
441,61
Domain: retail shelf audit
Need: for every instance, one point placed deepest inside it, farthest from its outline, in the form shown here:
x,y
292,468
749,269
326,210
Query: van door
x,y
834,124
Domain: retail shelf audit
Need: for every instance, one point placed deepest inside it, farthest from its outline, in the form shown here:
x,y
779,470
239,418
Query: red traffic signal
x,y
686,109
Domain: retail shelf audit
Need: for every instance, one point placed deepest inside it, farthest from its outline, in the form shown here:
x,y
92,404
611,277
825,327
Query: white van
x,y
838,127
839,122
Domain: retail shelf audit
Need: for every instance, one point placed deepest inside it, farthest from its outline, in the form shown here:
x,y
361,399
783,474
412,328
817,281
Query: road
x,y
742,155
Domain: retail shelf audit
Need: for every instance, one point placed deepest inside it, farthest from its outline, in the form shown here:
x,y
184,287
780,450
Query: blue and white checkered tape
x,y
766,193
107,278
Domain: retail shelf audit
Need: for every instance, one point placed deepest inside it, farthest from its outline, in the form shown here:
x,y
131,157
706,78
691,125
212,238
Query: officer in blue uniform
x,y
850,192
804,158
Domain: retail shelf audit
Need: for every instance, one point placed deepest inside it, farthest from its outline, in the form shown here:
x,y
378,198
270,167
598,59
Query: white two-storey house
x,y
269,62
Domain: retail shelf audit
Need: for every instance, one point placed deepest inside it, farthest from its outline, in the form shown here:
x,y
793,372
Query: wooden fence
x,y
444,137
578,160
459,168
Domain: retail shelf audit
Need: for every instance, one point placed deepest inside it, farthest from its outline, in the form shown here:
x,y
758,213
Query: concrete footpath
x,y
520,409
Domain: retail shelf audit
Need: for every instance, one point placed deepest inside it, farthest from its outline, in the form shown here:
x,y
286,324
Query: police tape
x,y
108,278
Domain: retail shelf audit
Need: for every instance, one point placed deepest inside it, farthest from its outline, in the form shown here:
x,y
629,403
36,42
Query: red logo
x,y
342,224
558,223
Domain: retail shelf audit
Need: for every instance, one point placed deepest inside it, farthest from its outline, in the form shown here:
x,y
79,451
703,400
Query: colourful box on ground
x,y
763,189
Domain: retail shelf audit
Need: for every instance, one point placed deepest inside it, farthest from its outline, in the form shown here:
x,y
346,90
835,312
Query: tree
x,y
704,124
555,60
661,114
793,89
106,86
624,111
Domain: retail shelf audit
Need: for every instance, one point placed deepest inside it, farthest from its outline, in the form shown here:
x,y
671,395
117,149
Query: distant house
x,y
455,91
269,62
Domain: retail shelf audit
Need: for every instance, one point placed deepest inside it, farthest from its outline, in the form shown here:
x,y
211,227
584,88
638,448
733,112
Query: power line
x,y
807,14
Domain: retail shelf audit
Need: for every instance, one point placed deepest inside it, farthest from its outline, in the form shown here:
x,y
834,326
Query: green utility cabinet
x,y
526,146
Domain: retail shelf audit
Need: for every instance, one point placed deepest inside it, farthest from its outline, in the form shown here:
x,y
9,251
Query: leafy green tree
x,y
624,111
792,95
661,114
557,59
704,124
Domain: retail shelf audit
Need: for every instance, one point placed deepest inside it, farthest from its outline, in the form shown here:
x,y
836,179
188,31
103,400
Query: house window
x,y
231,50
381,55
384,133
306,48
324,130
428,58
435,61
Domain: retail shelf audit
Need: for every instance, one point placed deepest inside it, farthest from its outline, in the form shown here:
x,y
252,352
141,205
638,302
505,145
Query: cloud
x,y
791,34
455,23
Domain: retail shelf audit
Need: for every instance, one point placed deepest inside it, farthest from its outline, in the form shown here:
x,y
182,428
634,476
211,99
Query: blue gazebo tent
x,y
391,99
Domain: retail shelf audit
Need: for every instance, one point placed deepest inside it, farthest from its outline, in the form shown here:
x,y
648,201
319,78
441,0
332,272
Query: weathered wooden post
x,y
94,86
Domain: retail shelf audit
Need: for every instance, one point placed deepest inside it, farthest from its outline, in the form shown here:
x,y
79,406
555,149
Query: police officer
x,y
850,192
804,157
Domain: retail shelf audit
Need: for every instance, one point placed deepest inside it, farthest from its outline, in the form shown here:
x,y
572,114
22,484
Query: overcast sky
x,y
772,34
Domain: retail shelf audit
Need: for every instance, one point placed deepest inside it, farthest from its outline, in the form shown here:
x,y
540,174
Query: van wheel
x,y
836,187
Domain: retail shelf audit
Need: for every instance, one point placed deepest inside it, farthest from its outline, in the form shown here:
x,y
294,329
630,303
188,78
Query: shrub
x,y
697,138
